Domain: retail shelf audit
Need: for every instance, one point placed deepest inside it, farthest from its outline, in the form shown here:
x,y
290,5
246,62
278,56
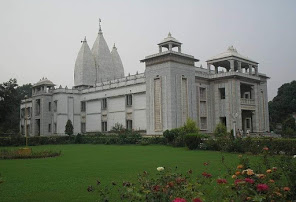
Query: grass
x,y
66,178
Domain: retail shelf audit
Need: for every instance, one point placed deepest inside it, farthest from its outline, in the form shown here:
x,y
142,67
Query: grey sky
x,y
42,38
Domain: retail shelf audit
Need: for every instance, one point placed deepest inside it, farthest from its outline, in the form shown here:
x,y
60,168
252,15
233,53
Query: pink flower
x,y
249,180
238,181
179,200
262,187
156,188
221,181
196,200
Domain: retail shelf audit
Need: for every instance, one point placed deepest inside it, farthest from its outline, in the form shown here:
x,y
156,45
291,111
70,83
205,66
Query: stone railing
x,y
245,101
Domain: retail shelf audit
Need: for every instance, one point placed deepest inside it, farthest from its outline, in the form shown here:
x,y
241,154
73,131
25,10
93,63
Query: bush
x,y
192,140
190,127
78,139
14,154
220,131
169,136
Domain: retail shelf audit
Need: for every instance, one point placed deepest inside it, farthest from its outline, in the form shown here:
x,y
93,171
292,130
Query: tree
x,y
69,128
283,105
10,99
220,131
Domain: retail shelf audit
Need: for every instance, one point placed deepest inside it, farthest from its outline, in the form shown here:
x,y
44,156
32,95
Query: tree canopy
x,y
11,95
283,105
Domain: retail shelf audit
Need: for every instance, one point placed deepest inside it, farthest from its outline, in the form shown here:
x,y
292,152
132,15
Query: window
x,y
83,106
104,126
223,120
202,93
55,128
129,124
203,123
129,100
49,106
222,93
49,128
104,103
55,105
248,123
83,128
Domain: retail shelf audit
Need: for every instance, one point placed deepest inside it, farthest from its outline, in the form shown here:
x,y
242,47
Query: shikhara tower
x,y
231,91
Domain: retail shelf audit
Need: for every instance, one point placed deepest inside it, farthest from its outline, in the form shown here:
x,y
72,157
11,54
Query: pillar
x,y
231,65
179,49
256,70
250,69
209,67
170,47
239,66
216,69
160,49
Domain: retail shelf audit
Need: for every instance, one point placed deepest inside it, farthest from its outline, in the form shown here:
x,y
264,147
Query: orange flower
x,y
248,198
250,172
278,194
269,171
261,176
237,173
286,189
271,181
240,166
233,176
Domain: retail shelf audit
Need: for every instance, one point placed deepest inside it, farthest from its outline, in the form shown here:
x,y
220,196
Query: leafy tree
x,y
284,104
190,126
69,128
10,99
220,130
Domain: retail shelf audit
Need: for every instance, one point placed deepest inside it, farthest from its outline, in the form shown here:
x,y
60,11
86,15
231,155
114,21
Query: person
x,y
238,134
248,133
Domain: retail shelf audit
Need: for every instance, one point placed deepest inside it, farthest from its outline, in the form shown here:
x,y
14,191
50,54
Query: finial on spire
x,y
100,28
84,40
169,35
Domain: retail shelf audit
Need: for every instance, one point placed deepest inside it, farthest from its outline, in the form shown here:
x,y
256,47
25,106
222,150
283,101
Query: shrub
x,y
192,140
117,128
69,128
78,139
14,154
190,126
169,136
220,131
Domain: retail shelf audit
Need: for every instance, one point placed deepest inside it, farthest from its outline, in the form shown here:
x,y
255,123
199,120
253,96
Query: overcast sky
x,y
42,38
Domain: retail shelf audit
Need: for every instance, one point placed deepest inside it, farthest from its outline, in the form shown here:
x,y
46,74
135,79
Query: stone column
x,y
209,67
231,65
179,49
160,49
239,66
250,69
216,69
170,47
256,70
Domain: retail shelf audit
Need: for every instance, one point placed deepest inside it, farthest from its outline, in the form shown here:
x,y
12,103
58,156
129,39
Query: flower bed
x,y
20,154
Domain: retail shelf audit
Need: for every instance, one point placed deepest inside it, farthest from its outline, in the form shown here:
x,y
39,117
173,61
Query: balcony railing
x,y
246,101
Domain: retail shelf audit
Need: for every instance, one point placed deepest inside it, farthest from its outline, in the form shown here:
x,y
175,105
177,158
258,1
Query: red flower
x,y
205,163
221,181
196,200
249,180
239,181
156,188
179,200
171,184
262,187
265,148
207,175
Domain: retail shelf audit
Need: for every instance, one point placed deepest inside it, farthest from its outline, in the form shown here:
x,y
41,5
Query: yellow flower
x,y
240,166
240,156
233,176
269,171
250,172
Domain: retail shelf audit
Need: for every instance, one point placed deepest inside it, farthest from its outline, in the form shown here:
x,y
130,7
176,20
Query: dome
x,y
44,82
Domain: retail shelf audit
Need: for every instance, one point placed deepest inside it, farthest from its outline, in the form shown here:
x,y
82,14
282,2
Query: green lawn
x,y
67,177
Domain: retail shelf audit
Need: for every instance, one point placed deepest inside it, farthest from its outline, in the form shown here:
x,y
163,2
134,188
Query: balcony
x,y
245,101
